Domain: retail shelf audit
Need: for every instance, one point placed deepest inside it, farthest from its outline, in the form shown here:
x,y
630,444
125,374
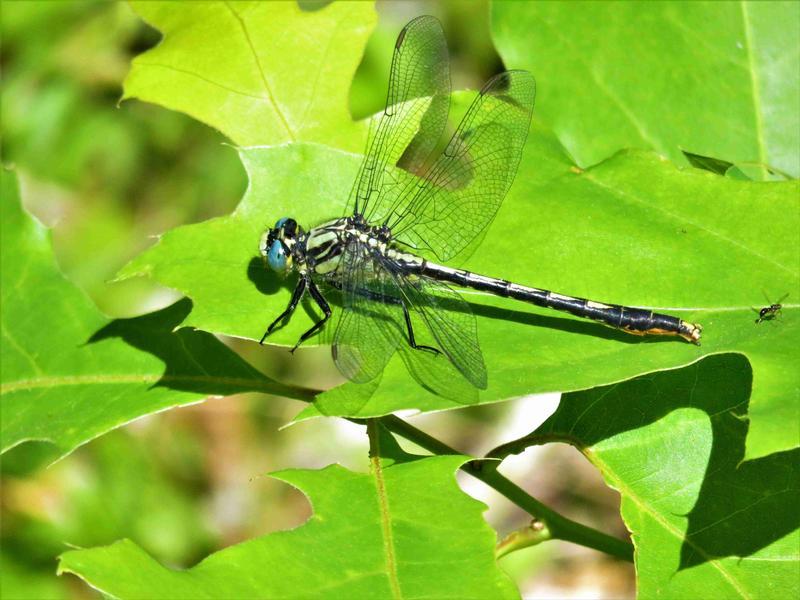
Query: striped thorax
x,y
288,247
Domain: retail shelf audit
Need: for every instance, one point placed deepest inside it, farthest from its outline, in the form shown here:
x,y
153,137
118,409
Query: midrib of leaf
x,y
70,380
497,301
383,506
267,88
682,219
623,489
759,123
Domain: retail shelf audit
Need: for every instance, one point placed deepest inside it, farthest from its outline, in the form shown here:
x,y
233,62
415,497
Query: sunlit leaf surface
x,y
69,374
705,522
260,72
719,79
405,530
634,230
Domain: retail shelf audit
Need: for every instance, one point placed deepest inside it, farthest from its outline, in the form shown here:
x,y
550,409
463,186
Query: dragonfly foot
x,y
431,349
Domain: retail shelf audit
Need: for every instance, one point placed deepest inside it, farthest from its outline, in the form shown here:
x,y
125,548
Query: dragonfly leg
x,y
323,304
412,342
297,295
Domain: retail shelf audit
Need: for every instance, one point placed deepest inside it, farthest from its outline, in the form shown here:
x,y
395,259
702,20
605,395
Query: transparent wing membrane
x,y
461,194
435,204
417,104
370,327
451,322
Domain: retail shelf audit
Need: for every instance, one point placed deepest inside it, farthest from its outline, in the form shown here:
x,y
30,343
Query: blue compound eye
x,y
276,257
280,222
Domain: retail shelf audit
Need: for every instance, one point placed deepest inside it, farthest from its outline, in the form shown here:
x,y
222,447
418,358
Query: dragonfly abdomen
x,y
637,321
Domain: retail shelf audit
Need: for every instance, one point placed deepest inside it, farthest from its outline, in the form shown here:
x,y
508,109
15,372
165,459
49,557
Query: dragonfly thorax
x,y
358,224
321,249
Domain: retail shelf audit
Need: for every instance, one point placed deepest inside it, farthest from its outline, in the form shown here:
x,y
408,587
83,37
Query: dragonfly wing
x,y
451,323
407,132
370,327
439,375
463,190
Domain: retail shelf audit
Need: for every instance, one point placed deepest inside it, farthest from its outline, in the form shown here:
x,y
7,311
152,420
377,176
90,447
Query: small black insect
x,y
768,313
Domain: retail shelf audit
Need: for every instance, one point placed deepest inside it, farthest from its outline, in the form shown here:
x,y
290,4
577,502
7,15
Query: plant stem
x,y
560,527
530,535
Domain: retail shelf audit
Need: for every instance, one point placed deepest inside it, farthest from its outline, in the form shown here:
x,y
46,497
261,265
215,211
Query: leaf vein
x,y
383,505
264,81
682,219
623,488
21,350
199,76
321,64
69,380
741,510
748,36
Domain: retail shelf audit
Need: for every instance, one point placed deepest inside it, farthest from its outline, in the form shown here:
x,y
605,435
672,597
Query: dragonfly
x,y
414,207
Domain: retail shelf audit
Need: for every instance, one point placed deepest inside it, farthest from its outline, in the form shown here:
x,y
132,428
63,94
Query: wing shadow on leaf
x,y
741,507
195,361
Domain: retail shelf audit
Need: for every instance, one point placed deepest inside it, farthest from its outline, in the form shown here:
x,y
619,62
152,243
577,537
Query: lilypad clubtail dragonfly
x,y
407,203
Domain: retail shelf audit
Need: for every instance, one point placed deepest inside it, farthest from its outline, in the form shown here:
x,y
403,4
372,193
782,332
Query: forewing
x,y
462,192
406,133
370,326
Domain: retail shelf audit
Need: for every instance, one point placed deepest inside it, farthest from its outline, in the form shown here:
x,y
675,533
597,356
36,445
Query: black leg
x,y
412,342
323,304
297,295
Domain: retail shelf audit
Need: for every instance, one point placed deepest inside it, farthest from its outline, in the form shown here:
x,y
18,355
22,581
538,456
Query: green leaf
x,y
716,78
633,230
403,531
68,374
706,523
20,582
260,72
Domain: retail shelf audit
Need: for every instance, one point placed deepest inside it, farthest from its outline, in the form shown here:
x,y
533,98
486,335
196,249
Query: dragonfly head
x,y
278,243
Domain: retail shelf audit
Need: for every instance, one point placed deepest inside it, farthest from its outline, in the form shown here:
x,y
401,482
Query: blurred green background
x,y
108,177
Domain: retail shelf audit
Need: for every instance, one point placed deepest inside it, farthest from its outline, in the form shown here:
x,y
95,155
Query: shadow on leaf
x,y
564,323
195,361
741,507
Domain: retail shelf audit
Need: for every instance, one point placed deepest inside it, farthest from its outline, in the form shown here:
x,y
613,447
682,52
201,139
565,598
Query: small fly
x,y
768,313
410,210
